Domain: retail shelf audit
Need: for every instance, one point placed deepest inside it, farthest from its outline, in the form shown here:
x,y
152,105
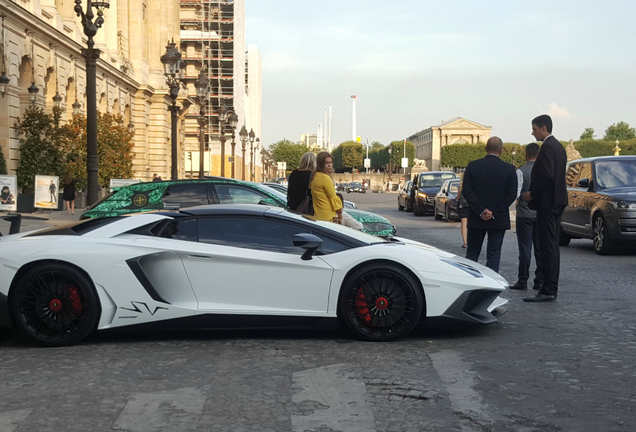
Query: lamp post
x,y
171,61
258,148
390,163
222,116
233,120
33,93
91,54
243,135
202,86
252,135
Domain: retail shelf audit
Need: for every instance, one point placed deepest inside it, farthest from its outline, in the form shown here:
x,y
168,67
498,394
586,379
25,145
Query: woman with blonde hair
x,y
327,205
298,183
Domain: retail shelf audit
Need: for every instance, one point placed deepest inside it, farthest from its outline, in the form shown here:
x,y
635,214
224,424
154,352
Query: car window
x,y
180,229
185,195
434,180
615,173
258,233
454,187
236,194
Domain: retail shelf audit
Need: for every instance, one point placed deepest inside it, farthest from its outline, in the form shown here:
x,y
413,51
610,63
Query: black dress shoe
x,y
518,286
540,297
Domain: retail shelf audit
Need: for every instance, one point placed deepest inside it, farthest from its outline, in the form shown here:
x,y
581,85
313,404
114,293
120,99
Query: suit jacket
x,y
489,183
547,187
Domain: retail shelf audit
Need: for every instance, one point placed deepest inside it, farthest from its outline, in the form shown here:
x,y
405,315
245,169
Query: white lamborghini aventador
x,y
238,266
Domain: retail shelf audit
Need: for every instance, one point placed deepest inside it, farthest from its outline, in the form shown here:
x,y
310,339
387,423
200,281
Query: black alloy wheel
x,y
55,305
602,243
400,206
436,215
380,303
447,213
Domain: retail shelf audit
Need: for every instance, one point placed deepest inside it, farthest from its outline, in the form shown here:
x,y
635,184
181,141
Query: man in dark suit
x,y
548,196
490,187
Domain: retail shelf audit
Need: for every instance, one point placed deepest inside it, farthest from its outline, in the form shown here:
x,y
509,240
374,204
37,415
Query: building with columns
x,y
43,42
428,142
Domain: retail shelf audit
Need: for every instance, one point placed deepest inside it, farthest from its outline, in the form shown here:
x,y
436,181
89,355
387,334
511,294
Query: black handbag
x,y
306,206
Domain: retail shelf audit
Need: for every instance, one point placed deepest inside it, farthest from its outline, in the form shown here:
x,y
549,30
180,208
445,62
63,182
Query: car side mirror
x,y
309,242
584,183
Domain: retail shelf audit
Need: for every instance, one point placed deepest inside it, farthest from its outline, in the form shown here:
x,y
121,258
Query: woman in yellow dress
x,y
327,205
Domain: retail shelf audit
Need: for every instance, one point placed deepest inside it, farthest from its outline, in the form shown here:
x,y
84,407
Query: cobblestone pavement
x,y
563,366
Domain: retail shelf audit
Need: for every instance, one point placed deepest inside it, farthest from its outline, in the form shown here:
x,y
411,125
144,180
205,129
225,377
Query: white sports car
x,y
232,265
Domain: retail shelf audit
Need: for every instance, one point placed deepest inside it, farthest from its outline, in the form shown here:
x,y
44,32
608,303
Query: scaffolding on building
x,y
207,42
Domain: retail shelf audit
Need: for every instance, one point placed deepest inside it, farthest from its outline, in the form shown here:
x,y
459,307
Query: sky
x,y
416,63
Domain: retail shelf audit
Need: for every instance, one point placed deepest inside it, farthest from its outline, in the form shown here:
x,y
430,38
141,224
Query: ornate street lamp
x,y
252,135
57,100
233,120
222,117
171,61
91,54
33,93
202,85
76,107
243,135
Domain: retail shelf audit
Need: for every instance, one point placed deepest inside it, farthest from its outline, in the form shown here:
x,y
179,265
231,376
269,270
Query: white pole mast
x,y
330,147
353,120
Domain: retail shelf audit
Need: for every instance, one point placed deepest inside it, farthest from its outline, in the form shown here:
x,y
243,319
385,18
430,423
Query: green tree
x,y
286,151
39,150
3,163
114,148
588,133
398,150
352,155
619,131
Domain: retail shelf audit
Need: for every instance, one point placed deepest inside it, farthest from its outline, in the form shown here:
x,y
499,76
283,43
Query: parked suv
x,y
425,187
601,202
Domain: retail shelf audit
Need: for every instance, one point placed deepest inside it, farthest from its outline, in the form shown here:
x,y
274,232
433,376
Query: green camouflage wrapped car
x,y
176,194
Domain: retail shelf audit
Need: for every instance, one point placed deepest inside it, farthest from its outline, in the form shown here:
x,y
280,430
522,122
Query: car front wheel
x,y
436,215
380,303
602,242
55,305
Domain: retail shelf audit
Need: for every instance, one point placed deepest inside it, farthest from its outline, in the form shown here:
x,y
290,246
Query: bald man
x,y
490,187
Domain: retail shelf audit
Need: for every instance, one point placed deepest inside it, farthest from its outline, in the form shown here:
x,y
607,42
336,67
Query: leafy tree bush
x,y
352,155
619,131
3,164
587,134
39,150
458,155
289,152
592,148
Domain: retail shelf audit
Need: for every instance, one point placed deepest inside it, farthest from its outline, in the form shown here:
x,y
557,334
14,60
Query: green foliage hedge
x,y
458,155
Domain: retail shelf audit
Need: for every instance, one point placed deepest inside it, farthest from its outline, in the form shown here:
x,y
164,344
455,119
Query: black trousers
x,y
527,237
493,247
549,221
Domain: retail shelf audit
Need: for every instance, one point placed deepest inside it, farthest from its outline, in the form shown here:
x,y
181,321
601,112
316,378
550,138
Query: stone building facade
x,y
43,40
428,142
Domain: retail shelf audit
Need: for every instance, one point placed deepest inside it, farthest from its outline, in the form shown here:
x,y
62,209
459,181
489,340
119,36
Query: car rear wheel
x,y
602,243
417,211
55,305
400,206
447,213
380,303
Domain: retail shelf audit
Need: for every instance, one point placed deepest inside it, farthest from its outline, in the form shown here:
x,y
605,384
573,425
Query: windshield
x,y
434,180
278,194
616,173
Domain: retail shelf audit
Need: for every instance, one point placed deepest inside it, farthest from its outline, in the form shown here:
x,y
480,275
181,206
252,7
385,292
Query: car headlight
x,y
422,195
465,267
623,205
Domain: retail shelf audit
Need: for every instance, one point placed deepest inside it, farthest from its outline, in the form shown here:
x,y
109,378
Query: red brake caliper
x,y
361,307
76,301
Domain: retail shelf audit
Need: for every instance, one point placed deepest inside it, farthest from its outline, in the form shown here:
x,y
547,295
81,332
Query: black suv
x,y
601,202
425,187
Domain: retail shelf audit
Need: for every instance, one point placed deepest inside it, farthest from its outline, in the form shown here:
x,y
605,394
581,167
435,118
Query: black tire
x,y
416,209
380,303
435,214
564,239
408,207
447,213
55,305
400,206
602,243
